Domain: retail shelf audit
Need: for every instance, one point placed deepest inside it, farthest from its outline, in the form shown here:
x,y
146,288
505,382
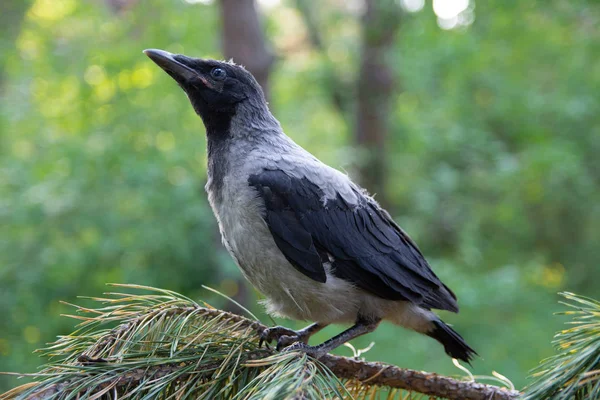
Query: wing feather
x,y
367,247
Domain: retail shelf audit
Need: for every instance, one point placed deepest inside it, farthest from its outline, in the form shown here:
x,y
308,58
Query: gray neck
x,y
251,126
253,121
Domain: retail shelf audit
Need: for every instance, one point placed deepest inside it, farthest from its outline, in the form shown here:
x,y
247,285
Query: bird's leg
x,y
300,336
285,336
361,327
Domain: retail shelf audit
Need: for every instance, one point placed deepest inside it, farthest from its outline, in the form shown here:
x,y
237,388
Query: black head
x,y
215,88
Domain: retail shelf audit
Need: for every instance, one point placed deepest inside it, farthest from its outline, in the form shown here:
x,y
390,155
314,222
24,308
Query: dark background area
x,y
477,123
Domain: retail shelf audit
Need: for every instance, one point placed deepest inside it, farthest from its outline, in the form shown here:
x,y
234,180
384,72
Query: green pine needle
x,y
574,373
163,345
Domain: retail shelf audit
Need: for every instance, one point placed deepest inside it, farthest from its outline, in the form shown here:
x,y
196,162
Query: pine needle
x,y
573,372
162,345
166,346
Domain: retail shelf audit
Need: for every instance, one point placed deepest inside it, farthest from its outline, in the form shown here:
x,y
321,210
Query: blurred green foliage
x,y
494,166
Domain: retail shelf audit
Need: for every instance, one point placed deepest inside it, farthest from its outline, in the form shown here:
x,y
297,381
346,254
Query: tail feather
x,y
454,345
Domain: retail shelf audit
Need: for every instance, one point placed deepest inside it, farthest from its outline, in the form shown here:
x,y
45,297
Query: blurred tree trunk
x,y
341,92
12,14
375,85
118,6
244,41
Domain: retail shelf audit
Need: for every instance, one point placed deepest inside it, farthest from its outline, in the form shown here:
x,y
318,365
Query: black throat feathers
x,y
218,136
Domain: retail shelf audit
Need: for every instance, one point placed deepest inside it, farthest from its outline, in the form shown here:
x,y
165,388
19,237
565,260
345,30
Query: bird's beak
x,y
174,67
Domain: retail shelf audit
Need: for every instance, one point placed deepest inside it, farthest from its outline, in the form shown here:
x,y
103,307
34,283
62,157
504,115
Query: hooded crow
x,y
313,242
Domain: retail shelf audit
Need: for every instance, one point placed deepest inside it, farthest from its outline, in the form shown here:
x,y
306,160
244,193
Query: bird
x,y
313,242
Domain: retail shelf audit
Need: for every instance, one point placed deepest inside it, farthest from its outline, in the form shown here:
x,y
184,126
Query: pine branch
x,y
166,345
574,373
380,374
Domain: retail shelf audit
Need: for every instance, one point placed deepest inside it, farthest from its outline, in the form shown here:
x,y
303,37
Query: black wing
x,y
367,247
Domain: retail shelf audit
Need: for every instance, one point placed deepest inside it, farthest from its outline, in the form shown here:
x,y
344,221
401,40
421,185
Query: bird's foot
x,y
313,351
284,337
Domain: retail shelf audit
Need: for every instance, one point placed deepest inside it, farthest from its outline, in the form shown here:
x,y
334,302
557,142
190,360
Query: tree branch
x,y
372,373
169,344
376,373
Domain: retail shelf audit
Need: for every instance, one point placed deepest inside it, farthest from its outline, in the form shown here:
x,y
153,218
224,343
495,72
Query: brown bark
x,y
375,86
375,373
243,39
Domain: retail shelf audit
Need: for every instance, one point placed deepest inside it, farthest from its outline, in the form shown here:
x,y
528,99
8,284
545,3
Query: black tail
x,y
454,344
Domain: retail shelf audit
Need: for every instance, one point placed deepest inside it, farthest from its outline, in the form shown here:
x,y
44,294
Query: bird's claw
x,y
287,340
282,335
312,351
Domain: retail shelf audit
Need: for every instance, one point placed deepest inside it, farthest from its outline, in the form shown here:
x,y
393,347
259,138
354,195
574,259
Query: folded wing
x,y
361,241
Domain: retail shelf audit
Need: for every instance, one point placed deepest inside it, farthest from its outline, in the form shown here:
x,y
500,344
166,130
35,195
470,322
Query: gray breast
x,y
240,212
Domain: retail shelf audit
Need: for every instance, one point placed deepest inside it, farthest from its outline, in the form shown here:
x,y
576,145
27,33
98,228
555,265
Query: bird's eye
x,y
218,73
